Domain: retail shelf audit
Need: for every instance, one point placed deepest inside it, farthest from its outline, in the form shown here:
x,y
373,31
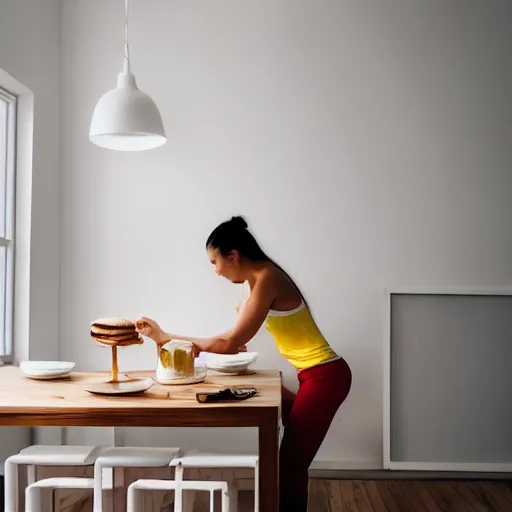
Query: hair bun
x,y
238,222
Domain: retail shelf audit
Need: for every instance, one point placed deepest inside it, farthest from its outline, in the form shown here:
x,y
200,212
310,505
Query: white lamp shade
x,y
127,119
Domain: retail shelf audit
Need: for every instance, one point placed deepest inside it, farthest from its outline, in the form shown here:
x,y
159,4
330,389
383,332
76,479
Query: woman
x,y
325,378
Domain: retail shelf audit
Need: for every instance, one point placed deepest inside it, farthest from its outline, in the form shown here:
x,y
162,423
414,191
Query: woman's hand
x,y
149,328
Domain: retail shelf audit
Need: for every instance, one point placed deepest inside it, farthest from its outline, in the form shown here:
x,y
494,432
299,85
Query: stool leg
x,y
231,498
31,474
119,489
135,500
97,498
33,499
212,502
227,502
256,487
178,498
11,486
187,498
178,491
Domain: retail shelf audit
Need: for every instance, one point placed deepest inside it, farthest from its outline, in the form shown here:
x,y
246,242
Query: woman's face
x,y
226,266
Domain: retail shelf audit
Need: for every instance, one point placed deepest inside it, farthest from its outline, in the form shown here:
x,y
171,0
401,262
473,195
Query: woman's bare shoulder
x,y
286,291
268,277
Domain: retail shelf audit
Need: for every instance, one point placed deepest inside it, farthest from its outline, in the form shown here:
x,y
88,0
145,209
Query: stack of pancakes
x,y
118,332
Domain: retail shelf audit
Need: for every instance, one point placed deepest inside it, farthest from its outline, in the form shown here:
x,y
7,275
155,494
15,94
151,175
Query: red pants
x,y
306,421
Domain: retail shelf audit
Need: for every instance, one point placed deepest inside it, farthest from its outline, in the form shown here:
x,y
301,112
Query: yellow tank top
x,y
298,338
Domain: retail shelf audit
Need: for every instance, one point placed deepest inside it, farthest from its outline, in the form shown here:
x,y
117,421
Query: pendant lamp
x,y
125,118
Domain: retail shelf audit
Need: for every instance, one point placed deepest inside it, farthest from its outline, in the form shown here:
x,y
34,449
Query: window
x,y
7,199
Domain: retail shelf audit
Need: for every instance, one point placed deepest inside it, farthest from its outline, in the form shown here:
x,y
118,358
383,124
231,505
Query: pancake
x,y
115,332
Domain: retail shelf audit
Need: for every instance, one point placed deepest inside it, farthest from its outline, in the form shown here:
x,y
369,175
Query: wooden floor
x,y
359,496
410,496
401,496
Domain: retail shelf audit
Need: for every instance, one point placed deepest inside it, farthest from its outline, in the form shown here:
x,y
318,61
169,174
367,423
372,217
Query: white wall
x,y
368,143
29,52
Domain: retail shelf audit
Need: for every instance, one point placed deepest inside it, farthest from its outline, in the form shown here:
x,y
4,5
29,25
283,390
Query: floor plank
x,y
496,496
335,495
425,497
400,499
387,497
486,499
318,497
347,495
374,496
363,503
453,498
412,496
505,488
464,489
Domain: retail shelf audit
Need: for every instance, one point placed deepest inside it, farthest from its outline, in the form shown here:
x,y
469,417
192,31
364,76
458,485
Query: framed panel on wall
x,y
448,379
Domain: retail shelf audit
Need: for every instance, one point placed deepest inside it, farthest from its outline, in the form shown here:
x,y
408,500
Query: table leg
x,y
268,447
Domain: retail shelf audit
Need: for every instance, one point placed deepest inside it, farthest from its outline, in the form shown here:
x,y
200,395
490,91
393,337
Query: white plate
x,y
233,370
241,359
200,375
228,363
123,387
48,377
46,369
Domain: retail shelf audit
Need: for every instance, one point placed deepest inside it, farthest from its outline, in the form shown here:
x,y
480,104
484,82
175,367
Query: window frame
x,y
8,240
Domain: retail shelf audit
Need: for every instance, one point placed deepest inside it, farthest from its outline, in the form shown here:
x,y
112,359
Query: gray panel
x,y
451,378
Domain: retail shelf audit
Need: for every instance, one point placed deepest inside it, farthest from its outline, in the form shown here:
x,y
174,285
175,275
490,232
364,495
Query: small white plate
x,y
45,370
200,375
49,377
228,363
233,370
123,387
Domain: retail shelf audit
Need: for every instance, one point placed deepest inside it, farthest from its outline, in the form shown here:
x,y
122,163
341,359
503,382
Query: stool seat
x,y
65,482
136,456
50,455
199,459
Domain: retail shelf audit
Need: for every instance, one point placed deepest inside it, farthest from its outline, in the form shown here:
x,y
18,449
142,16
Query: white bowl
x,y
46,369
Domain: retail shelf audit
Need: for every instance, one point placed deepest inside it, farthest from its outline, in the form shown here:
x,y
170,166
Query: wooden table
x,y
65,403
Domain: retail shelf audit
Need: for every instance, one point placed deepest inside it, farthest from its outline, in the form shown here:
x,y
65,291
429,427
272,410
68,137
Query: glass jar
x,y
175,360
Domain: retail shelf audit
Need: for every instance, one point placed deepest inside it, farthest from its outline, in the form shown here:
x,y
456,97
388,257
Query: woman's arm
x,y
249,321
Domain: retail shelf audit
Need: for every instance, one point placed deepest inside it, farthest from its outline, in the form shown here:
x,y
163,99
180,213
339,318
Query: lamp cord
x,y
126,66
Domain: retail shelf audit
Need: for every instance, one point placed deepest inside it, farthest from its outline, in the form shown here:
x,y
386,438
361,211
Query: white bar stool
x,y
42,455
135,490
128,457
196,459
33,501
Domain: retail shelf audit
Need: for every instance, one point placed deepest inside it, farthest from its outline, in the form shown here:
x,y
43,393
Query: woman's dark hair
x,y
233,235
